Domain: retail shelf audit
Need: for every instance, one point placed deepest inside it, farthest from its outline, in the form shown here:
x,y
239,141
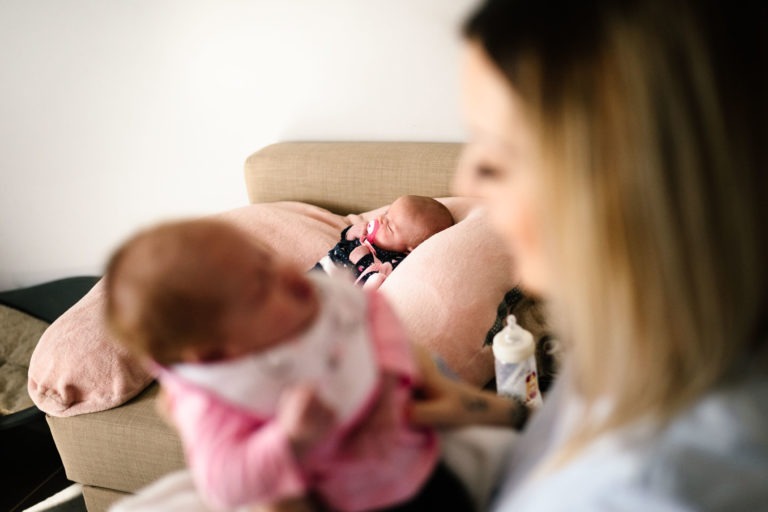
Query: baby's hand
x,y
358,252
377,279
304,417
356,231
385,268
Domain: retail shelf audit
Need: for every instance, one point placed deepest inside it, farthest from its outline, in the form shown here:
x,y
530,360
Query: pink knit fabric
x,y
374,461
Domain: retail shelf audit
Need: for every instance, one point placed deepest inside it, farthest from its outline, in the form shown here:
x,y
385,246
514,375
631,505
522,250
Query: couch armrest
x,y
123,449
350,177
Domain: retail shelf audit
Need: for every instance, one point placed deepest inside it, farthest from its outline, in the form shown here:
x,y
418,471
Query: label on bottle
x,y
519,381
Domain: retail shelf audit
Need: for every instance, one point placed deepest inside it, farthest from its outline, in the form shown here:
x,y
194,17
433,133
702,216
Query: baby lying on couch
x,y
372,250
282,384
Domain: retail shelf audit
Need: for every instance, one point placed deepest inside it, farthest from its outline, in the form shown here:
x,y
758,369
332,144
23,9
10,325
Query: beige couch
x,y
448,294
117,451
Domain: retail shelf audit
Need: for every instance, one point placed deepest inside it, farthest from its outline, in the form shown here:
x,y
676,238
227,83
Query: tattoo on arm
x,y
518,411
474,403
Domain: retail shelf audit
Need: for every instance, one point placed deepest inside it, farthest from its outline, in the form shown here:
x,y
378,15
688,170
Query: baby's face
x,y
277,302
398,230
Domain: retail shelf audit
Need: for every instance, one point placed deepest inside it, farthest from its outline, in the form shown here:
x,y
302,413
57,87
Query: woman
x,y
621,149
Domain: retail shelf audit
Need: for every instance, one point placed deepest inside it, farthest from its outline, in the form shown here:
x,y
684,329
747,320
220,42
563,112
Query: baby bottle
x,y
514,351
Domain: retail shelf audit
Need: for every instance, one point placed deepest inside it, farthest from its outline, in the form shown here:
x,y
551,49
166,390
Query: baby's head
x,y
409,221
203,290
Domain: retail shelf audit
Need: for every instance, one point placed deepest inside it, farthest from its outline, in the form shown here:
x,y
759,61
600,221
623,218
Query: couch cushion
x,y
446,292
19,334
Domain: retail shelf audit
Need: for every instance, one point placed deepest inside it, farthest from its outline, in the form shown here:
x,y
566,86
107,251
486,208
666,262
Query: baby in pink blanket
x,y
285,387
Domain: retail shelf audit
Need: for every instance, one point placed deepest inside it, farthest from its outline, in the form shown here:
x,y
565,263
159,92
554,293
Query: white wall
x,y
115,113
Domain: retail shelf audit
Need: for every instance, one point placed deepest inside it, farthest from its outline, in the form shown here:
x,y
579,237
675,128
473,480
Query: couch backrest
x,y
350,177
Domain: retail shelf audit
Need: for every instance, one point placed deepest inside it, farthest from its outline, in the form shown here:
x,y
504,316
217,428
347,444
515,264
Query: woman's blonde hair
x,y
651,117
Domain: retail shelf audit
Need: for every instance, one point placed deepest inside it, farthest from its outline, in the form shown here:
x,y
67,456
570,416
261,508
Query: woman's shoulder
x,y
711,456
727,418
714,455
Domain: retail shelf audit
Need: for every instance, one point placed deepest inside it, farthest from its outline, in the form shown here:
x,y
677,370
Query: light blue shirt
x,y
712,457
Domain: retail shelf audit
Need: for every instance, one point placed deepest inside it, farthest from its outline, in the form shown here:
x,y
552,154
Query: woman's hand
x,y
444,403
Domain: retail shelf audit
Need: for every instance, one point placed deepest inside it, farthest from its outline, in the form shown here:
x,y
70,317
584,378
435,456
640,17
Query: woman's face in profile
x,y
499,164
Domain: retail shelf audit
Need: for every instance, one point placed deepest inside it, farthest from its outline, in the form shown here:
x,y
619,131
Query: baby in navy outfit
x,y
371,251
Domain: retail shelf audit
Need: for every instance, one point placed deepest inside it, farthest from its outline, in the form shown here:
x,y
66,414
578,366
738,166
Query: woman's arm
x,y
443,402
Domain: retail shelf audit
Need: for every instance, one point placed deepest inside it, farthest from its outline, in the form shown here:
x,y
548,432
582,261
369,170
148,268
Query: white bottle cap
x,y
513,343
